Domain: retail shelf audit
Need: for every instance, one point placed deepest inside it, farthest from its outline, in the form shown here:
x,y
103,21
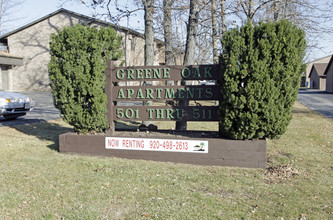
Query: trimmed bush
x,y
260,77
76,71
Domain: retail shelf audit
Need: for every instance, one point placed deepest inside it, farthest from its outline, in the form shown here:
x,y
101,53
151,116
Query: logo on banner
x,y
200,147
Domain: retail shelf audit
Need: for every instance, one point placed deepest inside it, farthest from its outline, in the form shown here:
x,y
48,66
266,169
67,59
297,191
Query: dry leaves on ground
x,y
279,173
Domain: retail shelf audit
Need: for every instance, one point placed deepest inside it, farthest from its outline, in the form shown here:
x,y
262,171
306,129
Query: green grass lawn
x,y
37,182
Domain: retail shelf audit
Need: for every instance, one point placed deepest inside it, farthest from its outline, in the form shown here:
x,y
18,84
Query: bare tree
x,y
149,31
223,19
7,7
251,7
214,32
314,17
113,11
167,24
170,19
218,12
212,25
192,30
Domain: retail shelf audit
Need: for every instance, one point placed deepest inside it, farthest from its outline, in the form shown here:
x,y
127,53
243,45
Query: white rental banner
x,y
169,145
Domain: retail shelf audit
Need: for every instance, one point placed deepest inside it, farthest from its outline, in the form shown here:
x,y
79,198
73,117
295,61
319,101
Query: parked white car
x,y
13,105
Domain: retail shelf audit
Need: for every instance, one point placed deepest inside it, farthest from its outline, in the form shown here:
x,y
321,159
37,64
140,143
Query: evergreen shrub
x,y
260,76
76,71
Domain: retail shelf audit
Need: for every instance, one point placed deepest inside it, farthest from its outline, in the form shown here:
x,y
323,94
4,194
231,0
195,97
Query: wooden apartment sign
x,y
125,103
121,94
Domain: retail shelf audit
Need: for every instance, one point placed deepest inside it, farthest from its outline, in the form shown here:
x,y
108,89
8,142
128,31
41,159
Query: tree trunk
x,y
285,10
224,25
167,25
275,10
250,10
149,32
149,43
215,36
192,29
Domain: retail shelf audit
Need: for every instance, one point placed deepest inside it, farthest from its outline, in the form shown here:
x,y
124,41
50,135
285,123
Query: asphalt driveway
x,y
319,101
43,110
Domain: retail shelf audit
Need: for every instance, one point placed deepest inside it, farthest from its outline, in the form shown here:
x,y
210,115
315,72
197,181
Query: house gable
x,y
317,77
319,69
313,72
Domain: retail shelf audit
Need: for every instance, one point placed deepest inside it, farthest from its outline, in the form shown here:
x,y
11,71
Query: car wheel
x,y
13,116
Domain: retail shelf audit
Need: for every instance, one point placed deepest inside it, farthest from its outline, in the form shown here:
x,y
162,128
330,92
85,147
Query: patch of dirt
x,y
280,173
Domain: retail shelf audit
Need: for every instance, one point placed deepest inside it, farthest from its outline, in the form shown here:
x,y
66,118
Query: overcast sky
x,y
32,10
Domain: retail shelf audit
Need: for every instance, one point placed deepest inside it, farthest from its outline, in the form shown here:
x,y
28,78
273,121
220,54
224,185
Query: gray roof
x,y
93,20
320,68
